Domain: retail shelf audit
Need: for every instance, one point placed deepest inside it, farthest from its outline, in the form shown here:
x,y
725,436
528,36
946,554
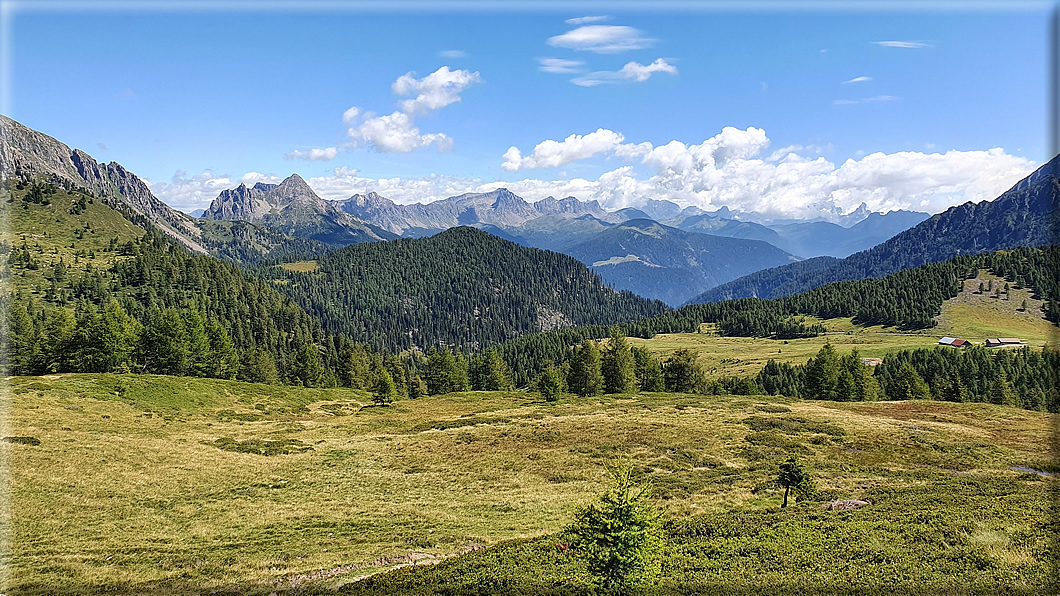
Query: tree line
x,y
908,300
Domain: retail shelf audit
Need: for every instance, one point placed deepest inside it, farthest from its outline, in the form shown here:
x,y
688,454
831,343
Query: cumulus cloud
x,y
729,170
434,91
397,132
554,154
190,193
632,71
584,20
350,115
327,154
858,80
602,39
559,65
903,44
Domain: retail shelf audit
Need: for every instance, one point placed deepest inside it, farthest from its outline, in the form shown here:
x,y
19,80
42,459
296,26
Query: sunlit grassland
x,y
301,266
969,315
129,491
51,233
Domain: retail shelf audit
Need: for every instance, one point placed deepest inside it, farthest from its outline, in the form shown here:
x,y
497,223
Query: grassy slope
x,y
51,232
127,490
970,315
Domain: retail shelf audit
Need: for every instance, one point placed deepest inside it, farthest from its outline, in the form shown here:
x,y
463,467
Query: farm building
x,y
1000,342
952,341
872,361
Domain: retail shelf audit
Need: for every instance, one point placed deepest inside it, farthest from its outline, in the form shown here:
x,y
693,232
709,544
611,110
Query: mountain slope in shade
x,y
294,209
668,264
1021,216
822,238
501,208
461,287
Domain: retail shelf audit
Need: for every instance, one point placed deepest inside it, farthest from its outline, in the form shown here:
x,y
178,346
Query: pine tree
x,y
224,361
682,373
619,535
585,378
384,391
22,342
306,368
549,383
164,344
649,371
490,372
793,474
417,388
56,340
1001,392
256,365
908,384
822,375
617,365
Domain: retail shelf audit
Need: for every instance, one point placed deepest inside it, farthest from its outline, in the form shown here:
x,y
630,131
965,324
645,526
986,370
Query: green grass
x,y
51,232
162,484
970,316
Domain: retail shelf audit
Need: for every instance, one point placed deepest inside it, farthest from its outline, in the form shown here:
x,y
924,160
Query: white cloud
x,y
327,154
903,44
559,65
397,132
879,98
602,39
188,194
584,20
729,170
351,114
554,154
858,80
452,54
632,71
434,91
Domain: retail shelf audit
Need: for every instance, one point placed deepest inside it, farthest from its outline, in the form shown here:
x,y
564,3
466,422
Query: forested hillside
x,y
909,299
94,288
1022,216
462,287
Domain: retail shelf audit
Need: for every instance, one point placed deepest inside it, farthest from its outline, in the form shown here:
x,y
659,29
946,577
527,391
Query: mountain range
x,y
1021,216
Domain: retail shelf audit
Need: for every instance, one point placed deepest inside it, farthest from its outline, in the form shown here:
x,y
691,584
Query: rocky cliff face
x,y
500,208
26,153
293,208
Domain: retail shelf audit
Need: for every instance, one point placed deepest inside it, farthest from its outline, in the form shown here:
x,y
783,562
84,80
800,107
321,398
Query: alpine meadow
x,y
500,300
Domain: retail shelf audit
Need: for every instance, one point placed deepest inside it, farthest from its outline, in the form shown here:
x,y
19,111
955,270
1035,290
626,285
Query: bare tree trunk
x,y
786,489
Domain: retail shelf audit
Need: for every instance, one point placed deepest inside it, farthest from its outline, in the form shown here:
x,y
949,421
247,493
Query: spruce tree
x,y
682,373
585,378
549,383
649,371
384,391
793,474
822,375
617,365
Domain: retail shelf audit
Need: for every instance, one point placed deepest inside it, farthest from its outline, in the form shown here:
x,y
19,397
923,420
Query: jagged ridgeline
x,y
907,300
462,287
1021,216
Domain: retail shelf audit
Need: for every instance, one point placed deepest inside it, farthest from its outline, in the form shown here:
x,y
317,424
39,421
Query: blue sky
x,y
796,114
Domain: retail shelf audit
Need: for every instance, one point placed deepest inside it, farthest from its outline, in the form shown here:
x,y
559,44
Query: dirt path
x,y
296,582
